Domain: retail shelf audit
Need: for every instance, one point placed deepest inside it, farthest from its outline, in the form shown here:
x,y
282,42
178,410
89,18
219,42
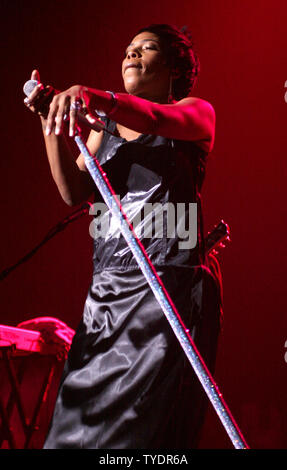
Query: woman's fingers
x,y
60,108
68,104
32,98
75,107
53,110
63,108
38,99
35,93
35,75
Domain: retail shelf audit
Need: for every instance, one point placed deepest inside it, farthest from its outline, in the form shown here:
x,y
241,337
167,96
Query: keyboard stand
x,y
29,425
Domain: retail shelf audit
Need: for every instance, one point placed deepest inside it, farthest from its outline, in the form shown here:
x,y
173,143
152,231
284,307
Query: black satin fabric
x,y
127,383
150,170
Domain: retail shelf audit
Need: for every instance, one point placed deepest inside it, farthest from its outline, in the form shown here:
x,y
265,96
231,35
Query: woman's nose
x,y
133,54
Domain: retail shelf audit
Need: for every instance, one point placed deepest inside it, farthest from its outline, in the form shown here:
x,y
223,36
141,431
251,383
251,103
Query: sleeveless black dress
x,y
127,383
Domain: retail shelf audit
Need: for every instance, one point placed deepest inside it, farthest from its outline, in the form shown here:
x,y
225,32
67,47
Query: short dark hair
x,y
178,48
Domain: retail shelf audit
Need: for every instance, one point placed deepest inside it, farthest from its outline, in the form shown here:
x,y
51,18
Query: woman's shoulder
x,y
205,113
197,103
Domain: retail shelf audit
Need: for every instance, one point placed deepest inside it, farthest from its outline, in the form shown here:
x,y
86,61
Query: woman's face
x,y
144,69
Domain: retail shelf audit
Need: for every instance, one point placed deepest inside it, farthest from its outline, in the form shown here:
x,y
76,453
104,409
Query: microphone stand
x,y
147,268
84,209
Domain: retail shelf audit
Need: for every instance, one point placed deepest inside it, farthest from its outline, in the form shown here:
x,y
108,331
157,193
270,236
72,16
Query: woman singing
x,y
127,383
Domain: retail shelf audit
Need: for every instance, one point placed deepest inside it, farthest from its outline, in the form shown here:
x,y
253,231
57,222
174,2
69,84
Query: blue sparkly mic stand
x,y
181,332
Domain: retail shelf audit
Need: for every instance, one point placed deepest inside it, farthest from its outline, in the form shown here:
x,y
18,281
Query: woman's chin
x,y
132,89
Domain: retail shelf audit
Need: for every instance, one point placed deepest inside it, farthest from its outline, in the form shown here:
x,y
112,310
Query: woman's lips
x,y
129,66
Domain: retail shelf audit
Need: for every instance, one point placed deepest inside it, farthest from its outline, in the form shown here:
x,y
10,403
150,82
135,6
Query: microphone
x,y
48,94
29,86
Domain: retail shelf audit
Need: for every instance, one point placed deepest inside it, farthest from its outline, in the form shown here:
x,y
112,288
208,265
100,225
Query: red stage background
x,y
242,47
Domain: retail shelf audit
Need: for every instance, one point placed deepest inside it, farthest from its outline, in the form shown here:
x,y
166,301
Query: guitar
x,y
217,238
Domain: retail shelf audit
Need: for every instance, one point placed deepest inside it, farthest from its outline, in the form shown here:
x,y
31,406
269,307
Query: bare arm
x,y
189,119
71,176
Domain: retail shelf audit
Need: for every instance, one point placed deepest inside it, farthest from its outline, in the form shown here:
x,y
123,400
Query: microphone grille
x,y
29,86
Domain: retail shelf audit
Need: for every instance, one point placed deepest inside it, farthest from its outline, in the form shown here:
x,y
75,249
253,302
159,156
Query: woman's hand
x,y
55,107
38,101
68,104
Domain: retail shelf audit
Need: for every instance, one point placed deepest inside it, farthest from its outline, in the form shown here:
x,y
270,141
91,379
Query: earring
x,y
170,98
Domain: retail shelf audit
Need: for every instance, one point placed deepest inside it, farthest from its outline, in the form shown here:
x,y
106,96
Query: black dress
x,y
127,382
